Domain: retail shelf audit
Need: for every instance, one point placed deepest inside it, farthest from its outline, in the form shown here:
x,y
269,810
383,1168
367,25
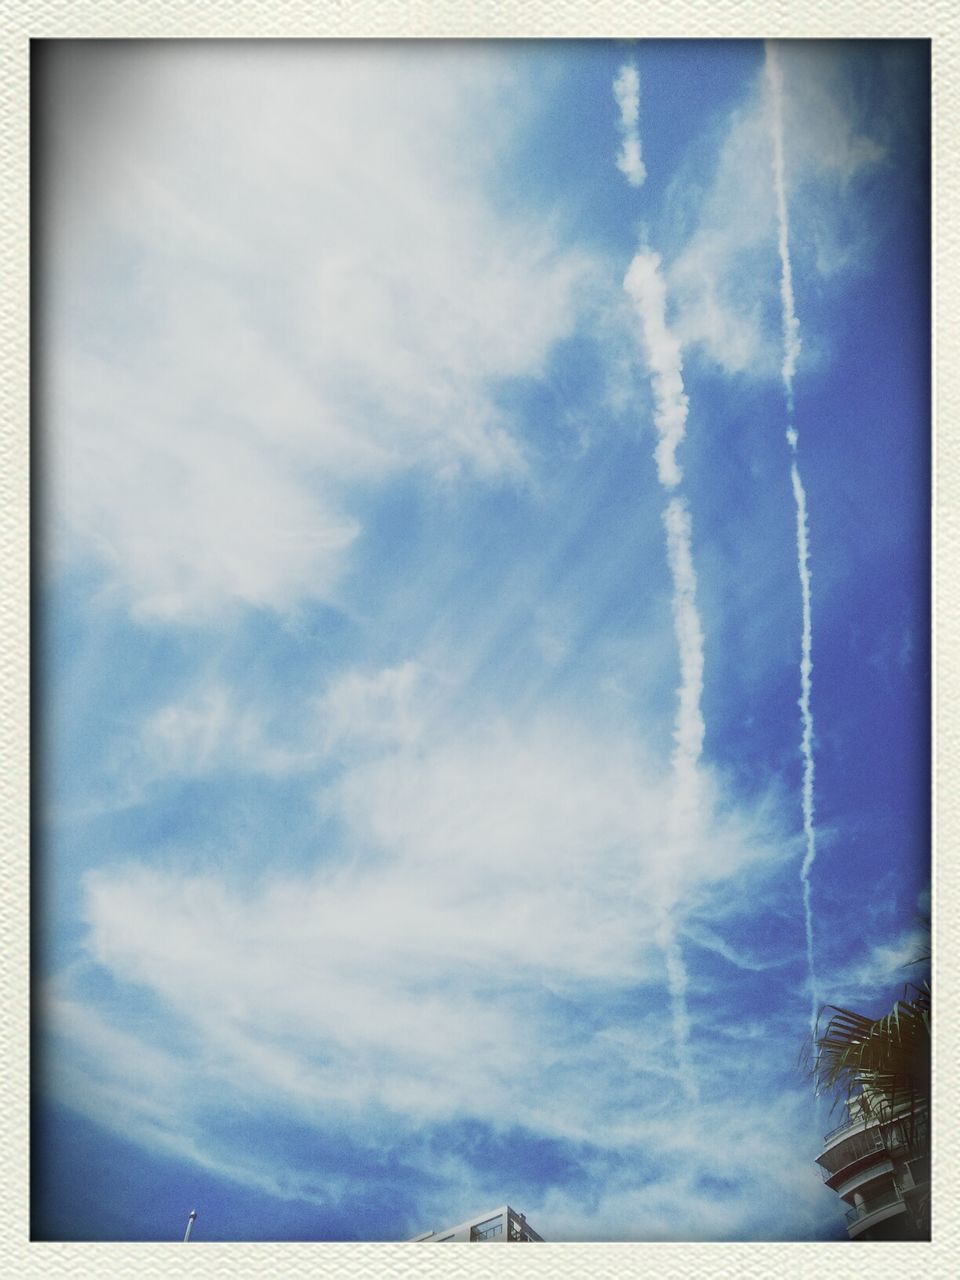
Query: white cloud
x,y
275,276
830,129
476,862
210,729
378,709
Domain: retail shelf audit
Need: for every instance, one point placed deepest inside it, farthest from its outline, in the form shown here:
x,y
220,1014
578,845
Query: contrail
x,y
626,90
645,286
791,325
686,621
791,349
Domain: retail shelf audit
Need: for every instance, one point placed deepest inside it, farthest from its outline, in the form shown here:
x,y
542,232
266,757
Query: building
x,y
880,1169
500,1224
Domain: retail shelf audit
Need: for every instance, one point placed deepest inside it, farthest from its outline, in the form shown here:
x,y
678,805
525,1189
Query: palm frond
x,y
883,1063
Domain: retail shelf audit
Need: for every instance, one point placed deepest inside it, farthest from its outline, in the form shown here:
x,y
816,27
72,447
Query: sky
x,y
482,540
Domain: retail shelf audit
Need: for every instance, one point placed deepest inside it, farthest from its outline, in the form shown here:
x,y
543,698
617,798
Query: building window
x,y
492,1229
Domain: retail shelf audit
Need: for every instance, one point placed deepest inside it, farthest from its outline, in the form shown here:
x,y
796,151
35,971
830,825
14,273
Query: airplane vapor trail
x,y
626,90
689,729
791,325
646,288
791,350
806,716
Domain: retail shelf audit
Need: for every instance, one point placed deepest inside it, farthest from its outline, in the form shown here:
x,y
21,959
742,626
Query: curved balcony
x,y
868,1213
863,1177
845,1158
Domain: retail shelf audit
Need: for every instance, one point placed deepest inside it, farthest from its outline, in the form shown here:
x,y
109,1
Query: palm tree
x,y
880,1068
881,1065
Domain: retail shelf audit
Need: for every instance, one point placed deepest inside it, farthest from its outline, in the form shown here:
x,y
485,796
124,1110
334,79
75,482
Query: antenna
x,y
190,1221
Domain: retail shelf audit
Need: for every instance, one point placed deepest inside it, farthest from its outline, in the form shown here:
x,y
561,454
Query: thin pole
x,y
190,1222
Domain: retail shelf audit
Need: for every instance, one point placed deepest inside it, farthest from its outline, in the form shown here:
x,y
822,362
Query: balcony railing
x,y
848,1123
882,1201
883,1117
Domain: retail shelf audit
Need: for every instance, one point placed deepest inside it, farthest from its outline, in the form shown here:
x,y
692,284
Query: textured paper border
x,y
24,20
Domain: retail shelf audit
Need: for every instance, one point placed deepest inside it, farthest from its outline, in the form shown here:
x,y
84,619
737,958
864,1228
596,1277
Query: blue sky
x,y
424,814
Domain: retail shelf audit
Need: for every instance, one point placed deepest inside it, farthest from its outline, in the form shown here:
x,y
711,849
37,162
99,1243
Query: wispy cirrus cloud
x,y
880,972
208,731
421,979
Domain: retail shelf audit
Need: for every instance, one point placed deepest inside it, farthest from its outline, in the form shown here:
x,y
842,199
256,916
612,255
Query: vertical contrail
x,y
791,325
645,286
626,90
791,349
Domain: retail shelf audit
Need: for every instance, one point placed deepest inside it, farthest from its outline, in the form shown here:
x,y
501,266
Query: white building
x,y
500,1224
880,1169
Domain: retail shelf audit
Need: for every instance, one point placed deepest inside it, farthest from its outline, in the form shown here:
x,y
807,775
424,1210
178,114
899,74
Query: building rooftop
x,y
498,1224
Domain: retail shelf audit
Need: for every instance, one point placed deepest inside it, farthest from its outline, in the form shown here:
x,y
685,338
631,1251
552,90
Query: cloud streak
x,y
645,286
626,90
791,325
791,350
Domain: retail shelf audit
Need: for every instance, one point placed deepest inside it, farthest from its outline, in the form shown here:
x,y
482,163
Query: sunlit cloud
x,y
214,409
